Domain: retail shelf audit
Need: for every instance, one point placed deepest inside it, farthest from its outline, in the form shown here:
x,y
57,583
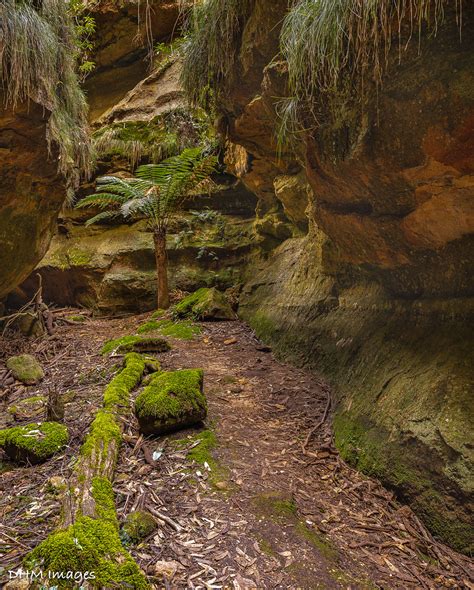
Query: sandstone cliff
x,y
378,294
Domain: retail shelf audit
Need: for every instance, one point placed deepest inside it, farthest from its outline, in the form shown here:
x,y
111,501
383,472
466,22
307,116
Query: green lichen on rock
x,y
28,408
366,447
26,369
137,526
204,304
135,344
171,401
34,442
91,545
184,330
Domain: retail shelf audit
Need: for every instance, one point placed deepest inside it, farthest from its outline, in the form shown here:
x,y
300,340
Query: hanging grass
x,y
38,63
164,136
336,50
211,48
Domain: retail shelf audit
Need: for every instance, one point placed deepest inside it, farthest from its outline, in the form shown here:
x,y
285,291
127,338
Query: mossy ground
x,y
171,400
203,454
282,509
183,330
34,442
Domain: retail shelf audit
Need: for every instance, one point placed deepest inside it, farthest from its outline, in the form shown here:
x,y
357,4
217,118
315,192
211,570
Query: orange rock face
x,y
31,193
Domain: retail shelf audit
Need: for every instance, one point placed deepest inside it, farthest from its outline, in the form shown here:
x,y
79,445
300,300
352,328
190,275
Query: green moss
x,y
204,304
317,540
118,390
266,547
185,307
282,509
159,313
34,442
30,405
103,495
275,506
368,449
172,399
135,344
77,318
89,545
173,329
25,368
137,526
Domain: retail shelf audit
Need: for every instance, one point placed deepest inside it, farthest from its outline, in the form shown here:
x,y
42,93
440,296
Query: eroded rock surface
x,y
31,192
378,295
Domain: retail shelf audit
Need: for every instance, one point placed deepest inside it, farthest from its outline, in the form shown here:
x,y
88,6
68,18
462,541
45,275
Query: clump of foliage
x,y
38,62
211,48
85,27
157,193
164,136
337,49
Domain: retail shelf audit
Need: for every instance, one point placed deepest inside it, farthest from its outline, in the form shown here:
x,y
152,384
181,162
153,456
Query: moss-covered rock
x,y
29,408
171,401
34,443
175,329
26,369
205,304
128,344
137,526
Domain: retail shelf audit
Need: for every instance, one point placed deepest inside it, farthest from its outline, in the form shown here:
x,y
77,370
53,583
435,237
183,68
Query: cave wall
x,y
31,192
377,295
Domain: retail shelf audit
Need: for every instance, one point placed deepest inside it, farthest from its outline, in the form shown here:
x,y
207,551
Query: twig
x,y
319,424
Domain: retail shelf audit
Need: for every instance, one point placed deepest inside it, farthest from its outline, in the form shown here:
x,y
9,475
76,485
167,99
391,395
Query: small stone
x,y
221,485
25,368
138,525
166,569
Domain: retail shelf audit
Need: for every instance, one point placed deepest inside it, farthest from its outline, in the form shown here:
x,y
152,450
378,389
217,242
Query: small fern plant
x,y
157,193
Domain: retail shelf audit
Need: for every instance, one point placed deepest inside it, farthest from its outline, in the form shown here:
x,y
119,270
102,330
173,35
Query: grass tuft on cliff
x,y
211,48
38,62
337,49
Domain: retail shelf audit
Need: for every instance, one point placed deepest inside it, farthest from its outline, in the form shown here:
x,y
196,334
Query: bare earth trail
x,y
269,512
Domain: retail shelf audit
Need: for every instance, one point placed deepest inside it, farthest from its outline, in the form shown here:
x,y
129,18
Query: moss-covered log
x,y
88,538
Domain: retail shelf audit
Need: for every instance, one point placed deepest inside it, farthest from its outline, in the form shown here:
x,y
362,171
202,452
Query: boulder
x,y
205,304
25,368
34,443
171,401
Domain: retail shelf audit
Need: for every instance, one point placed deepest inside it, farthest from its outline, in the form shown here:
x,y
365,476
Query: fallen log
x,y
86,549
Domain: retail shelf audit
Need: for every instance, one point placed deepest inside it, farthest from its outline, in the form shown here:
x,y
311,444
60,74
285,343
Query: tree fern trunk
x,y
161,257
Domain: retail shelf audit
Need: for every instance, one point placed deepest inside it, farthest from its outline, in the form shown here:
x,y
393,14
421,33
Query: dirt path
x,y
261,512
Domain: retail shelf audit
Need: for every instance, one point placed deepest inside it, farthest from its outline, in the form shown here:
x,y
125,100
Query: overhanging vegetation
x,y
38,63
